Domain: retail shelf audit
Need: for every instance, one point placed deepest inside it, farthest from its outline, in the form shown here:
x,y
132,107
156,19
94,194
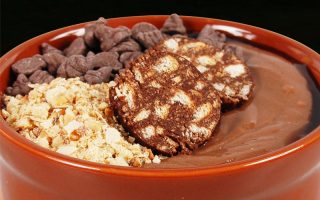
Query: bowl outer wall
x,y
290,173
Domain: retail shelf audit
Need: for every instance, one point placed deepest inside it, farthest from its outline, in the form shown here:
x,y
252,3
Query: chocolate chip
x,y
142,27
74,66
77,47
29,65
61,72
21,79
81,78
174,25
127,57
104,59
129,45
180,35
47,48
40,76
146,34
20,86
210,36
236,51
89,35
98,76
150,38
110,37
90,54
53,61
8,90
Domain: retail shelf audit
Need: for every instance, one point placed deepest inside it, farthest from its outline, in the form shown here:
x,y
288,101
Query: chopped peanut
x,y
75,119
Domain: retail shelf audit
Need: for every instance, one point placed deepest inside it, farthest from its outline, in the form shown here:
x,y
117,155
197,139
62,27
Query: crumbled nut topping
x,y
73,118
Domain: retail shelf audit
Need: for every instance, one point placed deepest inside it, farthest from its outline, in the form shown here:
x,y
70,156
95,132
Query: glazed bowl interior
x,y
62,37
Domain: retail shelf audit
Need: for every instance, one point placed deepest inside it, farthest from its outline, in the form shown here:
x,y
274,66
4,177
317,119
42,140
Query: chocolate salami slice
x,y
223,69
165,103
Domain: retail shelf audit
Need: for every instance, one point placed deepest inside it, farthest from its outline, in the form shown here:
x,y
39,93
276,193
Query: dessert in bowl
x,y
259,138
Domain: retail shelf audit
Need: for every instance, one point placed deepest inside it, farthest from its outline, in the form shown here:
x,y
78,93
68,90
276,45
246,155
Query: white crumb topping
x,y
71,118
56,96
112,135
66,149
72,126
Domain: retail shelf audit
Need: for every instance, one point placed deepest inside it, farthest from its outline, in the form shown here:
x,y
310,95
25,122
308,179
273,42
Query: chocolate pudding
x,y
169,113
281,112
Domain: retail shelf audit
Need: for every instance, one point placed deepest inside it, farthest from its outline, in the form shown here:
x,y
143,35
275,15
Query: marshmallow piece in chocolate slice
x,y
157,69
223,69
164,102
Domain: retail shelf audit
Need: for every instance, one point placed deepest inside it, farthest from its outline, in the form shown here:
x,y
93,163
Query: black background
x,y
22,20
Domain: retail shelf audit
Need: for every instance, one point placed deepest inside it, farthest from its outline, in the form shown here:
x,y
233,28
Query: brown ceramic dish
x,y
29,171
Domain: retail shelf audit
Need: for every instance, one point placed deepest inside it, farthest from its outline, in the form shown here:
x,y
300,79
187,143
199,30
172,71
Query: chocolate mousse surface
x,y
279,113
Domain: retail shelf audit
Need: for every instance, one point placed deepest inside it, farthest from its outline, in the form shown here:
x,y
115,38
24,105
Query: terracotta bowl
x,y
29,171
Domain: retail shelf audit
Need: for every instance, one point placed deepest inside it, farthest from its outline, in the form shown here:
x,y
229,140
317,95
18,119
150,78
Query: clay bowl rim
x,y
16,139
